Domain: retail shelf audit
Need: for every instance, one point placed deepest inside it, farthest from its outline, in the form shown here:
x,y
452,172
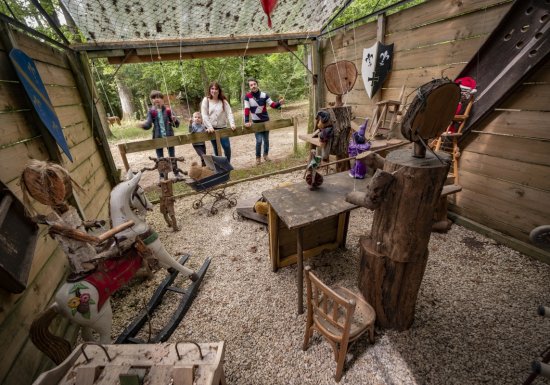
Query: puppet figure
x,y
313,178
197,172
51,185
467,91
325,132
164,166
357,145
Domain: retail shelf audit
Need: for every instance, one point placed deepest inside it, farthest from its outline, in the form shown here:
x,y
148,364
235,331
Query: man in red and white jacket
x,y
255,108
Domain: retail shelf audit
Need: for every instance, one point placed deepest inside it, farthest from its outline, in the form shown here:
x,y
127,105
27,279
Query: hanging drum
x,y
340,78
430,113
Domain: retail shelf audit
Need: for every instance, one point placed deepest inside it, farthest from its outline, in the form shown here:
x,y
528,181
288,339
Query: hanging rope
x,y
243,67
337,66
162,73
290,78
102,87
169,104
182,75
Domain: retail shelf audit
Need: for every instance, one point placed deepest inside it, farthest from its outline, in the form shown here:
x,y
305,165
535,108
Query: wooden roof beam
x,y
148,58
173,42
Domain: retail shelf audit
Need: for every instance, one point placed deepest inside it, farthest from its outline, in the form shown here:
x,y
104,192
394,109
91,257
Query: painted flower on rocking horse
x,y
73,302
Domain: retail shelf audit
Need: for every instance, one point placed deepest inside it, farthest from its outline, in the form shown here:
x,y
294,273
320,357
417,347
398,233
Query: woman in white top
x,y
216,114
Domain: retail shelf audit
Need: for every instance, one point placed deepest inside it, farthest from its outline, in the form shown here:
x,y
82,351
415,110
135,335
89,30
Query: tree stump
x,y
341,116
394,258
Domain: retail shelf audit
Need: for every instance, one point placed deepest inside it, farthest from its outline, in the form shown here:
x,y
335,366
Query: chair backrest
x,y
332,313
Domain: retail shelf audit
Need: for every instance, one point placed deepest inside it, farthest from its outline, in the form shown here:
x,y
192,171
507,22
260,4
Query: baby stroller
x,y
209,186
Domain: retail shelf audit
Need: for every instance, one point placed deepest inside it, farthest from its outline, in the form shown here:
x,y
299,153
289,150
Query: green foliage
x,y
361,8
278,74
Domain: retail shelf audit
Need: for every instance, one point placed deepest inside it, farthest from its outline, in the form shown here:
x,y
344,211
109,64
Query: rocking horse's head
x,y
138,199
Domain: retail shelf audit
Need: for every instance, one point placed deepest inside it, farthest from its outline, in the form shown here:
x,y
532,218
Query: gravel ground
x,y
475,317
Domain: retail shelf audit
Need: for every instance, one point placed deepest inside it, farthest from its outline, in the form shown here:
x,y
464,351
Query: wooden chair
x,y
340,315
381,124
448,141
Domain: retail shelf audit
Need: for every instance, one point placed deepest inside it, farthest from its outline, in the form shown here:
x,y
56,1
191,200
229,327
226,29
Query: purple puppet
x,y
357,145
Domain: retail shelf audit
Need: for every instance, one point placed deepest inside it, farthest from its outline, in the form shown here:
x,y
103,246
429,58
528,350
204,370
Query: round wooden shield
x,y
340,77
432,110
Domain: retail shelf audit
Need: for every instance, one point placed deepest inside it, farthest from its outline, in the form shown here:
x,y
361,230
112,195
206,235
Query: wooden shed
x,y
504,167
24,137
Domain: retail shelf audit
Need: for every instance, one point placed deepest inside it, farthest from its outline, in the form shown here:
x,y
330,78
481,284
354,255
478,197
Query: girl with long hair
x,y
216,115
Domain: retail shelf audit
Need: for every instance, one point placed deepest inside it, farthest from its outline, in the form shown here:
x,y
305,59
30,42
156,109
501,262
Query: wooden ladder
x,y
448,141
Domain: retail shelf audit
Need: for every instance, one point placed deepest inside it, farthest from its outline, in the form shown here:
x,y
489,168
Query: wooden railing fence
x,y
178,140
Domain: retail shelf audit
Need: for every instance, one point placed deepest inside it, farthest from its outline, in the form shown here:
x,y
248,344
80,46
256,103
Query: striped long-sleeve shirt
x,y
255,106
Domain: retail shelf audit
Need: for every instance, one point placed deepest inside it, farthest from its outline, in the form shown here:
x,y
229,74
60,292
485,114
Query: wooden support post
x,y
308,52
273,228
380,33
122,151
394,258
318,65
300,270
341,116
295,144
218,142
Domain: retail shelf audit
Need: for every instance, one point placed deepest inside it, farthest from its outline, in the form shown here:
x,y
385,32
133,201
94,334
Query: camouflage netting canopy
x,y
115,21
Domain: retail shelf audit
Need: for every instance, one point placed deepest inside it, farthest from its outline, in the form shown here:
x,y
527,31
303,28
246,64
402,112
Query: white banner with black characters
x,y
376,65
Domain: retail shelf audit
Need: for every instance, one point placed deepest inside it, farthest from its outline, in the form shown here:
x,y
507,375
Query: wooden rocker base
x,y
188,295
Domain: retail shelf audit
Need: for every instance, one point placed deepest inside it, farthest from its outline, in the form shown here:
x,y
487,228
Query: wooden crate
x,y
154,364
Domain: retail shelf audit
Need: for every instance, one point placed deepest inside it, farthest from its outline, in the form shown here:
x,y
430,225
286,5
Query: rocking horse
x,y
84,298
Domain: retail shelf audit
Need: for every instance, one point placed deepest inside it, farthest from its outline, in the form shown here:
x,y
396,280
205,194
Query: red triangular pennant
x,y
269,7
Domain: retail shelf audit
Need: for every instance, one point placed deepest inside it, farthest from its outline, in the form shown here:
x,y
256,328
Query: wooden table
x,y
313,221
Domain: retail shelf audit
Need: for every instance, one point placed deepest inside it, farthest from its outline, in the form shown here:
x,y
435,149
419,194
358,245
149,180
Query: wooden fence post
x,y
218,142
295,146
122,150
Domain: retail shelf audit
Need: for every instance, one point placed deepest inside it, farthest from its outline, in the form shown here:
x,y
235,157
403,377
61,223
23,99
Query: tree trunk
x,y
126,102
204,77
341,116
394,258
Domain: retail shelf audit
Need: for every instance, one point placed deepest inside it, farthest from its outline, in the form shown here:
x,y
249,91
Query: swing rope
x,y
290,78
243,72
337,66
169,104
102,87
183,77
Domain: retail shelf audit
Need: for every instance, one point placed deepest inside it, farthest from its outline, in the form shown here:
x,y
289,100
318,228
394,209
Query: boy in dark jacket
x,y
196,126
163,122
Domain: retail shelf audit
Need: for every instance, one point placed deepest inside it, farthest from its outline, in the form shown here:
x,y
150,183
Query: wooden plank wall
x,y
20,141
504,171
430,38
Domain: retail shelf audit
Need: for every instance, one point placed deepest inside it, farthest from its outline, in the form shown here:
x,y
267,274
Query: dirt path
x,y
242,147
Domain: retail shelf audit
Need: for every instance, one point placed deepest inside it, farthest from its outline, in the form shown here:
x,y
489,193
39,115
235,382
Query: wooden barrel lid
x,y
48,183
432,110
340,77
